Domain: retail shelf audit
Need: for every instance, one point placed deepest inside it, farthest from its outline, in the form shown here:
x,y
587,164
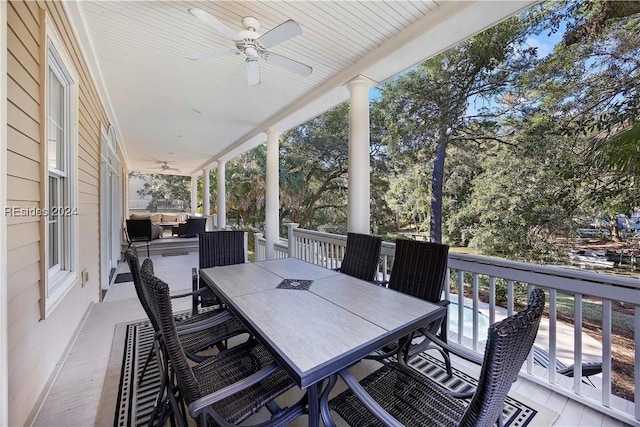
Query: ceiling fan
x,y
164,167
254,45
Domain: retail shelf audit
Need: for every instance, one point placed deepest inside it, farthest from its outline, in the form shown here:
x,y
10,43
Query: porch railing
x,y
496,279
160,204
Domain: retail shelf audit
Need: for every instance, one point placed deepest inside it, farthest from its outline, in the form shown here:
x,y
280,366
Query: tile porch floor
x,y
75,394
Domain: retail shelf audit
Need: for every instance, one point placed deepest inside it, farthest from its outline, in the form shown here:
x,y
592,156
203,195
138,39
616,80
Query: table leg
x,y
313,394
324,402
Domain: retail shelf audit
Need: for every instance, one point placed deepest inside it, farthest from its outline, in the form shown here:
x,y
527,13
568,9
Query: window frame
x,y
60,278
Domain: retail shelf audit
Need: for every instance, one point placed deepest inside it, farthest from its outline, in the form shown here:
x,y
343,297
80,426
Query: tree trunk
x,y
437,180
615,230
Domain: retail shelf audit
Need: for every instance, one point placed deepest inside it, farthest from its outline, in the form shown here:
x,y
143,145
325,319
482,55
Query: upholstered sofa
x,y
164,219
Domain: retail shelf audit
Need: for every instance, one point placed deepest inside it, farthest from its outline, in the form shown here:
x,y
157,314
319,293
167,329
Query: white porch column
x,y
194,194
359,209
206,193
272,202
222,194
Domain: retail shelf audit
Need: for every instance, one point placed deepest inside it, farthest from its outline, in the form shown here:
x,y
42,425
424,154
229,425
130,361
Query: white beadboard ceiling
x,y
192,113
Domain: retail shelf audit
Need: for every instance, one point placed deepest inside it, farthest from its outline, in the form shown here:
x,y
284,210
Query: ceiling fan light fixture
x,y
254,45
253,71
252,53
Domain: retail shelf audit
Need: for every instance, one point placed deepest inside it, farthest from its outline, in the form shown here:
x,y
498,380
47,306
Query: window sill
x,y
63,282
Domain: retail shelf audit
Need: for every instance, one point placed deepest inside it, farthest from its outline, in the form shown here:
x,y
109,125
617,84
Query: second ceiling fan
x,y
254,45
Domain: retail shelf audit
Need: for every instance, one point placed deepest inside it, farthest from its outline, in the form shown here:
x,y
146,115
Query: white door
x,y
114,226
109,210
105,263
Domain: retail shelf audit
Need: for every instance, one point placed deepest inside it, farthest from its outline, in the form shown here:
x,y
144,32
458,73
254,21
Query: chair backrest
x,y
131,255
195,226
508,345
139,229
218,248
361,256
161,304
419,269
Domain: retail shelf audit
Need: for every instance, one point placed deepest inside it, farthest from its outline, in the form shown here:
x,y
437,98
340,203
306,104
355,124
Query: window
x,y
61,187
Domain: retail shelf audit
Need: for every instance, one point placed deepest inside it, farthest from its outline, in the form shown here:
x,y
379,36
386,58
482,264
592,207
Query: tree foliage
x,y
165,187
427,108
597,70
491,144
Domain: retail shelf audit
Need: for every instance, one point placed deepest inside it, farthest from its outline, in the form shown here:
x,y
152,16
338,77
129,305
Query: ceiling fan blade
x,y
214,23
253,71
204,55
287,64
279,34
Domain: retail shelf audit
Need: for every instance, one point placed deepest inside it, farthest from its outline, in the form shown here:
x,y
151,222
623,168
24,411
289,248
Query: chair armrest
x,y
194,287
454,349
202,405
188,294
458,351
368,401
208,323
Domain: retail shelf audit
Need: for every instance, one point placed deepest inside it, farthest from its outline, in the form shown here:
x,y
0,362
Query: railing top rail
x,y
388,249
320,235
545,275
584,276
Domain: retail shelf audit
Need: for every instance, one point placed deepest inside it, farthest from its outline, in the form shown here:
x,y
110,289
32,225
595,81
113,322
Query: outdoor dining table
x,y
315,321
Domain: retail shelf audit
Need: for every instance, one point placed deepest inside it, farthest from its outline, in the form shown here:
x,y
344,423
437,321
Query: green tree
x,y
314,166
246,180
428,107
527,191
589,86
620,150
165,187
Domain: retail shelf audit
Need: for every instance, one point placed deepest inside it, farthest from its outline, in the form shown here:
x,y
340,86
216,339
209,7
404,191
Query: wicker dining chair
x,y
197,332
420,270
227,388
399,395
362,256
216,248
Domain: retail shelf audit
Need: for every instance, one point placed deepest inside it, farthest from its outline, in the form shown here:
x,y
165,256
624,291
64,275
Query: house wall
x,y
4,372
37,344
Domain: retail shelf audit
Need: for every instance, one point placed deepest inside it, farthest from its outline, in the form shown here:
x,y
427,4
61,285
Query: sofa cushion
x,y
169,218
140,216
161,217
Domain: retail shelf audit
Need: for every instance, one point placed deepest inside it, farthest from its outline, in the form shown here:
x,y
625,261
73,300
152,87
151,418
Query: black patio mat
x,y
123,277
135,401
